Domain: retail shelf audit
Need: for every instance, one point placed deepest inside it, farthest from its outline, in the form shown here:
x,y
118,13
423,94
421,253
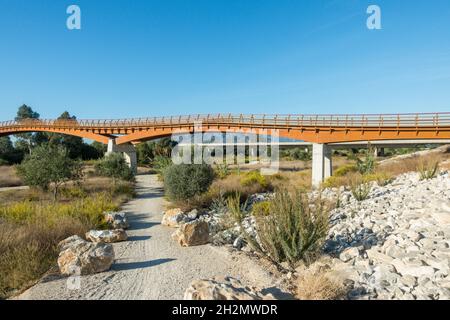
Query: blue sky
x,y
168,57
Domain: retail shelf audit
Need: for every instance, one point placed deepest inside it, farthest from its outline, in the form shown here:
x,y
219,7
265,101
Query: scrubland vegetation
x,y
66,197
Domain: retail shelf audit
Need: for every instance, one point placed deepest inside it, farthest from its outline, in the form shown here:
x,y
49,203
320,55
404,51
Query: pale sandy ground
x,y
151,265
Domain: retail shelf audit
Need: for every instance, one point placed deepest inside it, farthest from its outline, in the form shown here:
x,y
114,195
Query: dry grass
x,y
388,169
397,167
28,251
91,185
8,177
31,225
318,284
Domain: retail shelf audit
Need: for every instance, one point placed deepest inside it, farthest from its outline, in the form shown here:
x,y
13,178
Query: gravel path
x,y
151,265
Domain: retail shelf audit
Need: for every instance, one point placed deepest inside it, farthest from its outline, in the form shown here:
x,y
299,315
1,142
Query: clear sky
x,y
168,57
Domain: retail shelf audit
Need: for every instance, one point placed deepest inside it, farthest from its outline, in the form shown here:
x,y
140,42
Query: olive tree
x,y
49,167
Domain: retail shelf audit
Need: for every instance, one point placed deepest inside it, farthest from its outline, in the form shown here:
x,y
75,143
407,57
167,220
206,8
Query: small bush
x,y
114,166
233,183
331,182
74,192
360,190
294,229
222,170
319,285
342,171
261,208
161,163
254,177
428,169
382,178
185,181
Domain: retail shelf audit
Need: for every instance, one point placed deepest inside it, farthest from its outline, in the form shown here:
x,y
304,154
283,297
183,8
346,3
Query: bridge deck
x,y
311,128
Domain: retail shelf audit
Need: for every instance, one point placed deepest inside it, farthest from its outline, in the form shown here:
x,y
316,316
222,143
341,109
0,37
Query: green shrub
x,y
254,177
114,166
161,163
185,181
297,154
342,171
428,169
294,229
331,182
382,178
261,208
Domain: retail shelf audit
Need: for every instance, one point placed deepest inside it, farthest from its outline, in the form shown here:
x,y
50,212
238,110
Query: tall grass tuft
x,y
428,168
360,189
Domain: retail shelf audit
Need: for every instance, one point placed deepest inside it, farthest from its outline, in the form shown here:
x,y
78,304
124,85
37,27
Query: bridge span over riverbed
x,y
323,132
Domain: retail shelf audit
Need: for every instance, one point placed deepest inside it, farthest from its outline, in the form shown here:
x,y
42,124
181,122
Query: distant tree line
x,y
13,151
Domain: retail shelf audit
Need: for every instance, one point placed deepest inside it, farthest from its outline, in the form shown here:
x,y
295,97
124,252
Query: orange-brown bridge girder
x,y
312,128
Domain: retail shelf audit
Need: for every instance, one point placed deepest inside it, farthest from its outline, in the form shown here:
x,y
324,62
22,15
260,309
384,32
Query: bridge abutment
x,y
127,149
322,166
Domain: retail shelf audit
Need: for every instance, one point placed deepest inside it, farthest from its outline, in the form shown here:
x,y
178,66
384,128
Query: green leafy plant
x,y
185,181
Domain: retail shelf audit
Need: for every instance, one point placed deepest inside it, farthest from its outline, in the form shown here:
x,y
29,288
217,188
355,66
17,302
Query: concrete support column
x,y
327,162
321,163
128,151
378,152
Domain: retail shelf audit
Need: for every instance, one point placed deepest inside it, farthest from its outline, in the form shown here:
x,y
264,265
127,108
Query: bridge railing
x,y
290,120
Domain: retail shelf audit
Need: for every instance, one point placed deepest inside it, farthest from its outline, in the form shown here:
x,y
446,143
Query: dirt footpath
x,y
151,265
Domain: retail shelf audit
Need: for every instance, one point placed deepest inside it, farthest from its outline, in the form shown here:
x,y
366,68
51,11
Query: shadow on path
x,y
139,265
138,238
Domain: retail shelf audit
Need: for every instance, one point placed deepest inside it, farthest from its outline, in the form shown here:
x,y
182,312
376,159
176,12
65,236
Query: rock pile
x,y
396,243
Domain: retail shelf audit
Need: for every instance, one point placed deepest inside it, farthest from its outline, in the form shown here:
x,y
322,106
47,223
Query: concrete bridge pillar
x,y
378,152
322,166
128,151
